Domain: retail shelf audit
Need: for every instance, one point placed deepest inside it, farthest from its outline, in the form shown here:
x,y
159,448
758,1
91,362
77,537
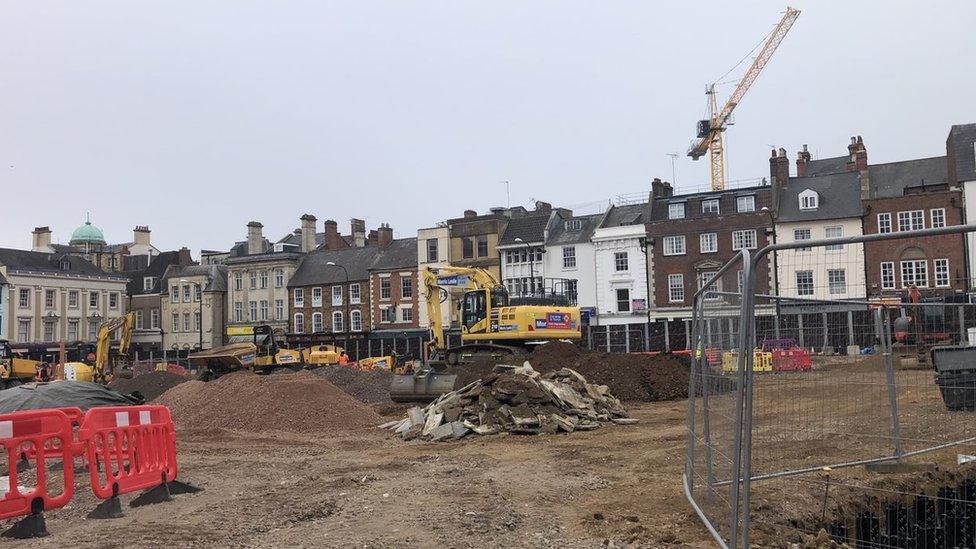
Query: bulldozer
x,y
491,328
261,355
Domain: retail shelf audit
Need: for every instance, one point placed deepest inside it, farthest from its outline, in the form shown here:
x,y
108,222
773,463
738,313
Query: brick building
x,y
394,287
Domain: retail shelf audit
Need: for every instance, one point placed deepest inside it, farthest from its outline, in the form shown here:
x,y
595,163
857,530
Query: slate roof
x,y
217,273
156,268
824,166
25,260
630,214
314,269
840,197
559,235
961,139
399,254
891,179
530,229
295,239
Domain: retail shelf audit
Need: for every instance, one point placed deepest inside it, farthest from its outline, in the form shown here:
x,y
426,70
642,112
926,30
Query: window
x,y
674,245
73,299
623,300
710,206
337,322
113,300
676,288
23,300
937,216
406,315
740,281
197,292
385,288
708,243
196,322
49,331
299,297
252,280
23,331
884,223
620,262
744,239
887,275
72,330
834,232
804,283
49,296
316,322
279,310
571,290
263,309
941,273
573,224
299,323
406,287
569,257
264,279
148,283
356,321
154,319
186,293
93,300
238,281
911,221
809,200
336,296
802,234
354,294
238,311
252,310
745,204
716,286
279,278
467,247
387,314
93,330
186,322
138,325
176,322
676,210
914,272
837,281
431,250
317,297
482,245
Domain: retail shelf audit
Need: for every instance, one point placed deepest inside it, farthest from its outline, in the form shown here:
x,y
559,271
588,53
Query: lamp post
x,y
345,298
200,307
772,228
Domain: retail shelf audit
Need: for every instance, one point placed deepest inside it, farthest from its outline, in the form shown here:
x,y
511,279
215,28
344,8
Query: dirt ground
x,y
617,484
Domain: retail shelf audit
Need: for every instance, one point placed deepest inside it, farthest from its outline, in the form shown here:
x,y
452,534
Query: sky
x,y
195,117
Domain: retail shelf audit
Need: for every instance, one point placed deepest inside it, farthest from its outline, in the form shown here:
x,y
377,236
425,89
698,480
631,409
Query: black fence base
x,y
108,509
31,526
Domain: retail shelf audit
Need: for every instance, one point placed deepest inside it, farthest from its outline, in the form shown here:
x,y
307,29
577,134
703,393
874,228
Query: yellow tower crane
x,y
710,131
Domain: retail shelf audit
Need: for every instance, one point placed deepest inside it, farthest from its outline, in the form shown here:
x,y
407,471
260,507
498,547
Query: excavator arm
x,y
104,341
470,278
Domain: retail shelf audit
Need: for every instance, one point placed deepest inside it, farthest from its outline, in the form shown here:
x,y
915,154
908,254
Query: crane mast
x,y
710,131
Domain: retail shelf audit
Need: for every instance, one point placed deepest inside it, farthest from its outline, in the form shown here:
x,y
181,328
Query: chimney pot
x,y
470,213
307,233
255,238
384,235
41,240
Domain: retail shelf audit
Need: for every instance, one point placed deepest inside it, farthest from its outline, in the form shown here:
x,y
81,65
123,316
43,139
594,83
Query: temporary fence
x,y
125,449
800,397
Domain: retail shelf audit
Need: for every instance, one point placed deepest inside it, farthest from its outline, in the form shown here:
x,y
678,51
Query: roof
x,y
824,166
961,143
839,197
727,200
560,235
87,233
24,260
295,239
399,254
156,269
888,180
216,281
630,214
315,269
528,229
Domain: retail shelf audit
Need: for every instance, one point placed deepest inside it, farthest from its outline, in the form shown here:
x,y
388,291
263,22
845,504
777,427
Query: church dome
x,y
87,234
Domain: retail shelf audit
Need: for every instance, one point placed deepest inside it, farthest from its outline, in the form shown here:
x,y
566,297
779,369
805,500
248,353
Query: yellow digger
x,y
15,370
107,365
262,356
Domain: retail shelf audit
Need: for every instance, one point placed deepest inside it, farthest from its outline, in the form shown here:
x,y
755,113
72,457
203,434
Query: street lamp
x,y
347,321
200,320
772,228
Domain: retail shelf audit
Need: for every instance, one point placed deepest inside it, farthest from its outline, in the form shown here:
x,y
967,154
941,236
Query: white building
x,y
961,156
621,266
521,247
570,258
433,250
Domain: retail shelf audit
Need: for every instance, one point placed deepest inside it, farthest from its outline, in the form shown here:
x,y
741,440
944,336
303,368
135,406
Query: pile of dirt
x,y
365,386
150,385
298,403
515,400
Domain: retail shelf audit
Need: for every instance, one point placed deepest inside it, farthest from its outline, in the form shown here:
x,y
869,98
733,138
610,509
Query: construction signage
x,y
453,280
555,321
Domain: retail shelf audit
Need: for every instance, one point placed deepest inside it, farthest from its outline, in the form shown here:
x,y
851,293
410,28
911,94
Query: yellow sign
x,y
240,330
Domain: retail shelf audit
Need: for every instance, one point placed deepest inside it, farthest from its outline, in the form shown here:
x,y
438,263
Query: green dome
x,y
87,234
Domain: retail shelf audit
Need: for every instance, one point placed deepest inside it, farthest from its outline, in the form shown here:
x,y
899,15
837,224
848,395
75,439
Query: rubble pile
x,y
516,400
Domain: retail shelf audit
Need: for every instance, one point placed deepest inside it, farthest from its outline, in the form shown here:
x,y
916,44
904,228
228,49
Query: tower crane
x,y
710,131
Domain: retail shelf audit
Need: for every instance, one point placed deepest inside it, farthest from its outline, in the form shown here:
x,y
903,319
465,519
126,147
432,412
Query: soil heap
x,y
515,400
150,385
633,377
299,403
369,387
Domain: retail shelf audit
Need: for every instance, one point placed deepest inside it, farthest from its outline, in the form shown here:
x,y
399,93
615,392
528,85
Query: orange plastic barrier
x,y
44,431
52,448
792,360
135,446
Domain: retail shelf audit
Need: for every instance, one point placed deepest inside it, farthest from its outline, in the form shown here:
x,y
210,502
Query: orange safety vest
x,y
343,359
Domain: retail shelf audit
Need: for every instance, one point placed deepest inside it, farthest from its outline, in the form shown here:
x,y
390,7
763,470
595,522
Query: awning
x,y
261,339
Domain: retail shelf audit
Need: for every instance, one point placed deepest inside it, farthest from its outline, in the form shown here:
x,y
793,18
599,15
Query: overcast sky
x,y
195,117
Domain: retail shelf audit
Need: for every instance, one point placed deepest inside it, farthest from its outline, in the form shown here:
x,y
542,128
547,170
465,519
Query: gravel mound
x,y
370,387
298,403
150,385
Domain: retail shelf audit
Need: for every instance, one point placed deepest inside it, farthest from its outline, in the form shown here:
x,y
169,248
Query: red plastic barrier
x,y
38,428
792,360
713,356
53,450
135,446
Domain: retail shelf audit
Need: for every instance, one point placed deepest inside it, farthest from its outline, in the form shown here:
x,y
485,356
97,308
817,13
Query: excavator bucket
x,y
421,386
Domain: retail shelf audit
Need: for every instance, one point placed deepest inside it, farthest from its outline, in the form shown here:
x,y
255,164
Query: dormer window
x,y
710,206
574,224
65,265
676,210
809,200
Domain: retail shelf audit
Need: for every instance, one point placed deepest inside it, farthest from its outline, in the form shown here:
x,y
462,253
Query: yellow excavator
x,y
15,370
107,364
491,328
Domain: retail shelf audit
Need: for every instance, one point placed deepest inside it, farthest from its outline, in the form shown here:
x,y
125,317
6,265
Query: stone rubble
x,y
515,400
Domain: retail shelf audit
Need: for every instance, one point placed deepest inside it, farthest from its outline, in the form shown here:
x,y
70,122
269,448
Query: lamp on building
x,y
345,299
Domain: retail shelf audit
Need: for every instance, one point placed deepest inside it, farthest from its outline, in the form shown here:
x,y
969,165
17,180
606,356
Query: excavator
x,y
491,328
262,355
107,365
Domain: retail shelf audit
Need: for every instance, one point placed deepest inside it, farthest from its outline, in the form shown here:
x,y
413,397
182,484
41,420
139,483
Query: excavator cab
x,y
477,306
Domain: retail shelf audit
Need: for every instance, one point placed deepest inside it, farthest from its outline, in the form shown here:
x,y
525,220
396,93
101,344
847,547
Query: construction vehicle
x,y
710,131
107,364
262,356
491,328
15,370
321,355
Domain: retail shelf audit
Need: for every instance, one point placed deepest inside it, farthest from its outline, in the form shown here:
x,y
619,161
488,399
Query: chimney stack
x,y
661,189
140,235
543,207
308,233
385,234
858,160
779,168
255,239
41,240
373,238
184,257
470,213
358,227
802,157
